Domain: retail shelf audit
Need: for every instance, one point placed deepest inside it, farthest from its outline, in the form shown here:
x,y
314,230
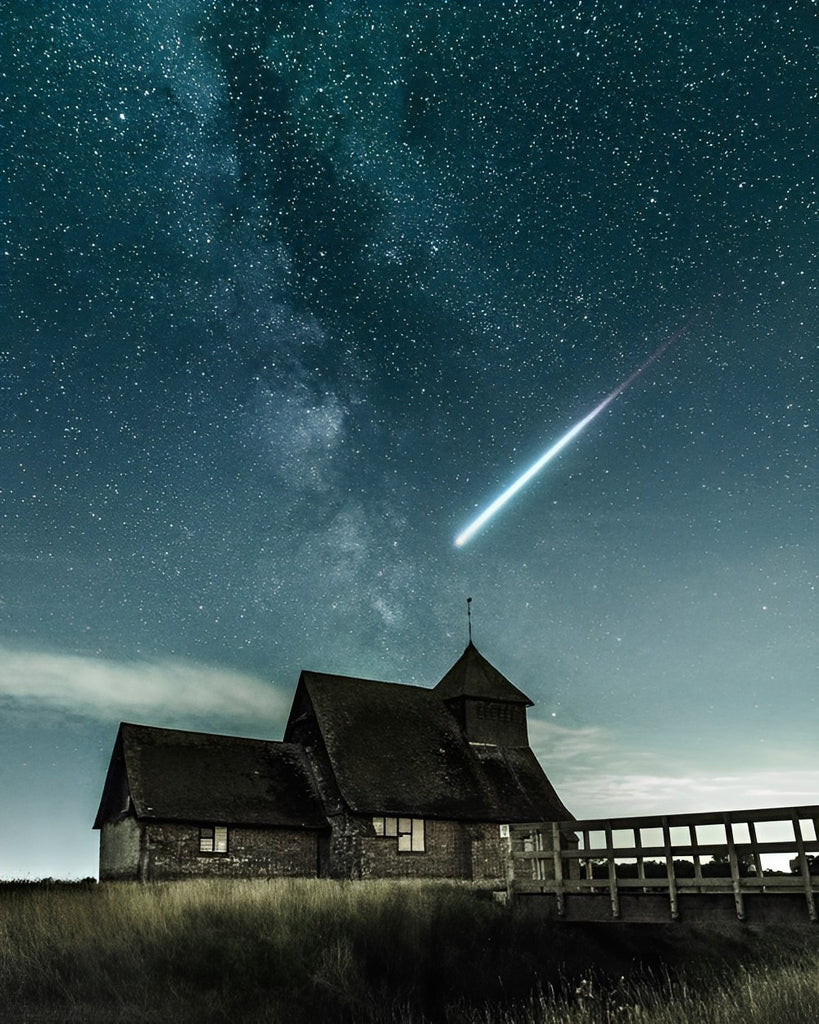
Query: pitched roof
x,y
194,776
473,676
397,749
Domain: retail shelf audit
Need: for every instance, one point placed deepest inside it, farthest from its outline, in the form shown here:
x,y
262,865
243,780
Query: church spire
x,y
473,676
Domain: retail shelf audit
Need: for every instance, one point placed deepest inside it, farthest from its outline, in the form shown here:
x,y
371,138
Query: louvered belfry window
x,y
213,839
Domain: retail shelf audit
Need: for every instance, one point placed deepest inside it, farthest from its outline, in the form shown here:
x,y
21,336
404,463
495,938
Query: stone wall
x,y
172,851
119,850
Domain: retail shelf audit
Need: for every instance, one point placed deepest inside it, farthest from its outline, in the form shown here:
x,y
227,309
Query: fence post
x,y
558,861
692,832
669,870
756,856
736,879
589,867
507,841
803,865
614,895
638,846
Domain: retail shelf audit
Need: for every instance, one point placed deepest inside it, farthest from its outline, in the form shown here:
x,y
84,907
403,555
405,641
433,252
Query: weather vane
x,y
469,617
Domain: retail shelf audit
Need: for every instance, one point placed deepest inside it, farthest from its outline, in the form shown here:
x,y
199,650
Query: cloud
x,y
590,794
557,743
105,688
597,775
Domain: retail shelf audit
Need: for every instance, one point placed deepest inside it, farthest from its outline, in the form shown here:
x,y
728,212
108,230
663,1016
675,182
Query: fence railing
x,y
767,851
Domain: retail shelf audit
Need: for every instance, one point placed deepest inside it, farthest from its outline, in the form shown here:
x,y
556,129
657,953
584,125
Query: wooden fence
x,y
693,866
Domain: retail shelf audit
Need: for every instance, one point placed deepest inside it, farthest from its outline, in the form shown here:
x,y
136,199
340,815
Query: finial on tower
x,y
469,616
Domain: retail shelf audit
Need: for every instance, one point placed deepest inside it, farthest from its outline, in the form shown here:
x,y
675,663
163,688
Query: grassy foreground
x,y
398,953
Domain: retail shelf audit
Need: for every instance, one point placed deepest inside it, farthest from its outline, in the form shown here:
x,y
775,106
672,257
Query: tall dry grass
x,y
398,953
780,994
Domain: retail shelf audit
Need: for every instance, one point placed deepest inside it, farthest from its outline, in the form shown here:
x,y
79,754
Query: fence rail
x,y
632,859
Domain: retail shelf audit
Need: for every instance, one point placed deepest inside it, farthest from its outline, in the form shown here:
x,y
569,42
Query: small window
x,y
213,839
408,831
405,835
385,826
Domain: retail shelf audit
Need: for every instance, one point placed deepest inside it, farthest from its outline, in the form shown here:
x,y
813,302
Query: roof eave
x,y
230,822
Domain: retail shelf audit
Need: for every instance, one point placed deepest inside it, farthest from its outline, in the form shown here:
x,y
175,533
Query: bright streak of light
x,y
524,478
547,456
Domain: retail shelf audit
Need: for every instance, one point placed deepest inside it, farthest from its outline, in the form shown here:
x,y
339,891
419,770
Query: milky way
x,y
287,284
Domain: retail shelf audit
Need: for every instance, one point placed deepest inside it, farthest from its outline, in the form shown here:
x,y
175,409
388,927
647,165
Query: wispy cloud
x,y
598,775
591,795
148,689
558,744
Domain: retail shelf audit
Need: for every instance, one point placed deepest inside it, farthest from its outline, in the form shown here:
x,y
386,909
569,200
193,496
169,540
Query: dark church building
x,y
372,780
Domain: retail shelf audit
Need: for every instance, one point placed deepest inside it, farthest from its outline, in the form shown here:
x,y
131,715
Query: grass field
x,y
408,953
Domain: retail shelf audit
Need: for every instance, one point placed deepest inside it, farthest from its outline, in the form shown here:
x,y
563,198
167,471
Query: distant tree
x,y
813,865
720,865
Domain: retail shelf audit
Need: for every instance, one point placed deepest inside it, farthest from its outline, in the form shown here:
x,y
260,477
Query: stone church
x,y
372,780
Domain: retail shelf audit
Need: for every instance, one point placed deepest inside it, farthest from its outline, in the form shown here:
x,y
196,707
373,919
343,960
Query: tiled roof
x,y
392,749
397,749
473,676
193,776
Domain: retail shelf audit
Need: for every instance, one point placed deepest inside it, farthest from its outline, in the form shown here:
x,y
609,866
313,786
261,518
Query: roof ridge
x,y
134,726
308,674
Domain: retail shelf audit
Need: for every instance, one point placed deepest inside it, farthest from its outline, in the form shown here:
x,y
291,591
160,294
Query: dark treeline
x,y
715,868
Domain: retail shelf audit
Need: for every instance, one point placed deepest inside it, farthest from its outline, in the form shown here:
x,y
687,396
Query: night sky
x,y
293,291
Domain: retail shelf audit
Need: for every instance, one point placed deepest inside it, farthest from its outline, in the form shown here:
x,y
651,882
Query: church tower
x,y
488,708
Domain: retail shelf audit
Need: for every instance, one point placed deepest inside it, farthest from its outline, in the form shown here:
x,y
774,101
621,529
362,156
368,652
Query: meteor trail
x,y
547,456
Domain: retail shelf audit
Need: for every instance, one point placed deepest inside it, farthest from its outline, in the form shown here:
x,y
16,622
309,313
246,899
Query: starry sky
x,y
293,290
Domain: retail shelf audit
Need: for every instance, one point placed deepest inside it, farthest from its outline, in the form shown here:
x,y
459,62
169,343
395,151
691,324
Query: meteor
x,y
548,455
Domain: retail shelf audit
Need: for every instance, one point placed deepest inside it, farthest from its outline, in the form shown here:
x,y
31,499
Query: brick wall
x,y
452,850
173,852
167,851
488,853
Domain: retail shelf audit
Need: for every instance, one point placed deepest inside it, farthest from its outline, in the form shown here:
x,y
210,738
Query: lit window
x,y
405,835
213,839
408,831
385,826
